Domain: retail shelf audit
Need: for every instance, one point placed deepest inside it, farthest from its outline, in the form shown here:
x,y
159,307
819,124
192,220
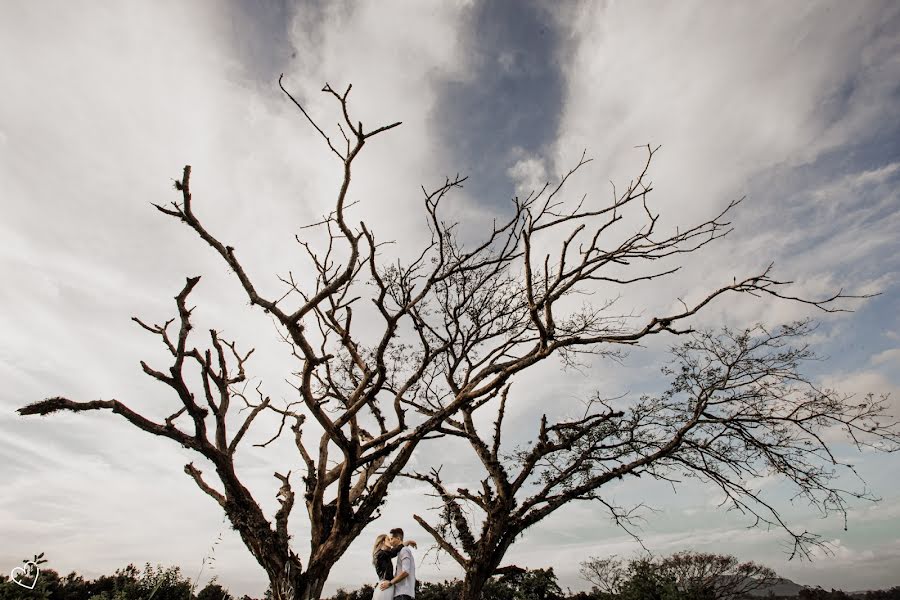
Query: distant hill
x,y
786,587
782,587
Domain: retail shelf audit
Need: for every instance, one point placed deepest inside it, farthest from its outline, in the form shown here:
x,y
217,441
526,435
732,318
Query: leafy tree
x,y
363,593
890,594
716,576
645,582
73,587
10,590
446,590
537,584
694,575
214,591
593,594
131,583
817,593
45,581
163,583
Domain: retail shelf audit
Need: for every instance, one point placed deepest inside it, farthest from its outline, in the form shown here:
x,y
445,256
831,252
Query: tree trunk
x,y
292,582
298,586
486,561
473,584
287,578
313,582
313,588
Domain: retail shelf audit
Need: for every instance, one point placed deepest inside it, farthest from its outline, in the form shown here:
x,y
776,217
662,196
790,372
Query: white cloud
x,y
846,186
528,173
729,104
889,357
863,382
725,100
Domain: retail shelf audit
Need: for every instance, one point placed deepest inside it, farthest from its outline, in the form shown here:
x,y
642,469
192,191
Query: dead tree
x,y
696,574
456,323
738,408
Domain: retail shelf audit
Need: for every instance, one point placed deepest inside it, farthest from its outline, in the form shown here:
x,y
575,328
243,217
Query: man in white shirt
x,y
404,581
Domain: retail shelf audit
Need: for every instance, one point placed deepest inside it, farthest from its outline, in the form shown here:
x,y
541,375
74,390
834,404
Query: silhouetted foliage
x,y
694,575
643,579
539,584
214,591
128,583
890,594
363,593
818,593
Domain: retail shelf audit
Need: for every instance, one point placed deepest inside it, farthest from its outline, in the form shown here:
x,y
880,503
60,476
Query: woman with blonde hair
x,y
386,547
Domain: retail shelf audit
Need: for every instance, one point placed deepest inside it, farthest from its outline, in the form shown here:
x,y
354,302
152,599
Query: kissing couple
x,y
399,583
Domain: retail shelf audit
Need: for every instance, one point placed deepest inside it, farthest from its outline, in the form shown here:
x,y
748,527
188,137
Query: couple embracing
x,y
394,583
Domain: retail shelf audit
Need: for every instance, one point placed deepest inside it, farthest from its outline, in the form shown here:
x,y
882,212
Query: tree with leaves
x,y
690,575
29,580
214,591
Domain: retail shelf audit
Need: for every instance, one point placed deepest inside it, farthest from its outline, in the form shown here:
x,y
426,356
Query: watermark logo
x,y
26,575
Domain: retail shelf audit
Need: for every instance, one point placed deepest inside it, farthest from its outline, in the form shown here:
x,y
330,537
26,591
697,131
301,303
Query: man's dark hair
x,y
397,533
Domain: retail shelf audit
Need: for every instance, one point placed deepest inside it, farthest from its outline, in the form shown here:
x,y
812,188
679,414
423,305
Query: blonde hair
x,y
378,542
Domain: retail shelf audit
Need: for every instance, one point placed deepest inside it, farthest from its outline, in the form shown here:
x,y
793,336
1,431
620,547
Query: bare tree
x,y
738,408
696,574
455,324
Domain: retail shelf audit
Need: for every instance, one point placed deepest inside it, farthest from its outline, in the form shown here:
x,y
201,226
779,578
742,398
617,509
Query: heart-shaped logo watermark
x,y
23,575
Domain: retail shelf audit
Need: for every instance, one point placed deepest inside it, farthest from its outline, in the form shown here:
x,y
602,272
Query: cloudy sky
x,y
795,106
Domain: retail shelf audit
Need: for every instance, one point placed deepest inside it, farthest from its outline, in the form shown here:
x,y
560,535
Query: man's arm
x,y
402,568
